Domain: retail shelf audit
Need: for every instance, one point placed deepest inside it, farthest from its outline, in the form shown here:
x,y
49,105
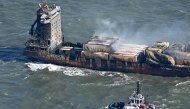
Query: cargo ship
x,y
136,101
47,44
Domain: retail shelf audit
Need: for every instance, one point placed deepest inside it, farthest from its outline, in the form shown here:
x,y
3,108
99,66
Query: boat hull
x,y
105,65
116,105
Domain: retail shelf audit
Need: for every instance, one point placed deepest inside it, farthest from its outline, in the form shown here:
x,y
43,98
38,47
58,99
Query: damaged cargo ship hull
x,y
102,53
141,68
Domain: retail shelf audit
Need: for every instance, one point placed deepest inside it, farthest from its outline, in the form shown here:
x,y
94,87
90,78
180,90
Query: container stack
x,y
98,47
154,54
129,53
177,51
158,46
175,48
97,44
161,44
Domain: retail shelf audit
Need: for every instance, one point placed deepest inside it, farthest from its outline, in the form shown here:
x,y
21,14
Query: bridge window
x,y
48,42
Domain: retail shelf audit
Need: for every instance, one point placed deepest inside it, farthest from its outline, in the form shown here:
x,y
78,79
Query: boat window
x,y
132,101
139,101
48,42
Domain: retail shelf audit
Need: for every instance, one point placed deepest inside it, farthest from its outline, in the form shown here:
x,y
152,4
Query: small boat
x,y
136,101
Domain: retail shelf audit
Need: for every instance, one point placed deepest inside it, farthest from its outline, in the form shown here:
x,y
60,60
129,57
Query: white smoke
x,y
106,28
129,31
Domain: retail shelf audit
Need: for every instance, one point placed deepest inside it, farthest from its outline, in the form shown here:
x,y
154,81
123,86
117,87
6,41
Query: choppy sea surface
x,y
25,84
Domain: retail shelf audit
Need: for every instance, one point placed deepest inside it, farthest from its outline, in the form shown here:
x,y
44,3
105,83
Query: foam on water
x,y
5,94
104,107
11,74
70,71
73,71
182,83
120,78
36,66
107,74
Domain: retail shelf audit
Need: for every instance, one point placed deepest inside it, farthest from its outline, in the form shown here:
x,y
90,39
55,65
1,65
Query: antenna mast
x,y
138,87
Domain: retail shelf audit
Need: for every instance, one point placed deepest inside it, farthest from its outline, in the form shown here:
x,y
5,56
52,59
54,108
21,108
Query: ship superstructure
x,y
47,35
102,53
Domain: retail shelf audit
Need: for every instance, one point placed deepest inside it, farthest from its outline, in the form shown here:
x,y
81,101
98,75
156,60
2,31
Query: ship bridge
x,y
47,14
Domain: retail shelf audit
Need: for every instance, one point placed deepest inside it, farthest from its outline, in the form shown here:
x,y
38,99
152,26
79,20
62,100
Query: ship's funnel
x,y
138,87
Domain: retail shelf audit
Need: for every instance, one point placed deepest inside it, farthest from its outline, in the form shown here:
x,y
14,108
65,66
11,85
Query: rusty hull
x,y
107,65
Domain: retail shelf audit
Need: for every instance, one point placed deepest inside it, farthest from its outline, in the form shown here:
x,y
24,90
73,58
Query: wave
x,y
183,11
117,77
74,71
181,83
70,71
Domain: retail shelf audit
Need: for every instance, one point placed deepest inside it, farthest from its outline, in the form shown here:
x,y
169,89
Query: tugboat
x,y
136,101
